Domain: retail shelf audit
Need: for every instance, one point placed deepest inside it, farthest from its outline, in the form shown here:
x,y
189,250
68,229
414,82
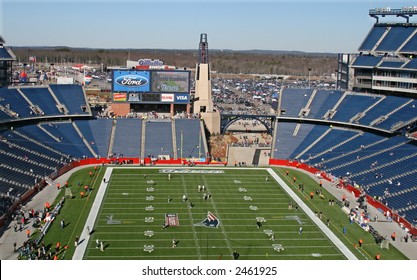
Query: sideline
x,y
336,241
92,216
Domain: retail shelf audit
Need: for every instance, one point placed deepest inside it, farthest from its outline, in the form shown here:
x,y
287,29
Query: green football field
x,y
132,215
132,207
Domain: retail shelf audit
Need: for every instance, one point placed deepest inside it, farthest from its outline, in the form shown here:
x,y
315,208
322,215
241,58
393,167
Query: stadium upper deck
x,y
387,59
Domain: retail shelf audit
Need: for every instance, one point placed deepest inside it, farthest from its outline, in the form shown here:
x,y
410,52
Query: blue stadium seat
x,y
372,38
97,132
15,101
158,139
41,97
73,97
192,140
293,100
128,137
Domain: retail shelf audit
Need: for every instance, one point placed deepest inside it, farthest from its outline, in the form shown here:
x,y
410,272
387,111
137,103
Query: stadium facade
x,y
387,58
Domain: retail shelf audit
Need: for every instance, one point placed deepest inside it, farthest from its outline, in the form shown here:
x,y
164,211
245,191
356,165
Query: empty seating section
x,y
331,139
395,38
43,99
10,189
36,147
158,139
310,138
382,170
387,105
97,133
372,38
25,178
411,45
293,100
285,142
403,115
29,171
394,185
323,101
23,161
72,96
412,64
12,99
128,138
341,166
347,148
402,198
364,60
190,132
4,117
69,141
391,64
36,133
353,104
15,106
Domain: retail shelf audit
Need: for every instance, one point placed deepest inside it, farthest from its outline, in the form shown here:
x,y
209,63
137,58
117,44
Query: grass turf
x,y
128,199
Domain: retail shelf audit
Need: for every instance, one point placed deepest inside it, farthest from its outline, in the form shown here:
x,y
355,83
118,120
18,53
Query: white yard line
x,y
81,248
92,216
226,238
190,214
332,237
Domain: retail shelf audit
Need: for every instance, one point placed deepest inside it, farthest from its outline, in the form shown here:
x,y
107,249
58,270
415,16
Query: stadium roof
x,y
6,54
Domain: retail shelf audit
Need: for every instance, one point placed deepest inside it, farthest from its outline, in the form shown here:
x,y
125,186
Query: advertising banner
x,y
133,96
131,81
167,97
182,98
151,97
119,97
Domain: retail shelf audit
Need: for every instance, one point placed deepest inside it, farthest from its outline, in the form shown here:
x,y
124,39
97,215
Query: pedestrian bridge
x,y
226,120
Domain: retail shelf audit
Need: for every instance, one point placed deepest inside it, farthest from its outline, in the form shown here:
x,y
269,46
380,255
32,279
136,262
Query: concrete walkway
x,y
384,228
9,236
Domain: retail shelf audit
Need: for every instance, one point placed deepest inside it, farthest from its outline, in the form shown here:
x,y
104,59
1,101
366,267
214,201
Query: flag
x,y
210,221
211,217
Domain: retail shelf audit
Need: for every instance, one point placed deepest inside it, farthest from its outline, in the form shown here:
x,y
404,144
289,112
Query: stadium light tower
x,y
203,103
203,49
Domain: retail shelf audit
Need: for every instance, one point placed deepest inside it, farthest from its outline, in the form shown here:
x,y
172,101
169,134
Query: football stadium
x,y
336,181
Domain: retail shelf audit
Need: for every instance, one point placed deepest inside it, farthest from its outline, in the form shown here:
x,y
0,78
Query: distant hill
x,y
223,61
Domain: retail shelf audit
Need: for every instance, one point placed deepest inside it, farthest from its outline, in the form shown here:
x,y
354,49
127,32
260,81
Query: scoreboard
x,y
151,86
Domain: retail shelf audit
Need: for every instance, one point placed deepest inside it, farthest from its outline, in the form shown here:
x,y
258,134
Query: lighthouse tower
x,y
203,103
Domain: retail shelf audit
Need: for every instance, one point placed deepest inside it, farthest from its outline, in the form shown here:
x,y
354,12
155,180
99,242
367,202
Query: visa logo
x,y
182,97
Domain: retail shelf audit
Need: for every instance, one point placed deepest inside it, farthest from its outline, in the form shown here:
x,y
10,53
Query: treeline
x,y
234,62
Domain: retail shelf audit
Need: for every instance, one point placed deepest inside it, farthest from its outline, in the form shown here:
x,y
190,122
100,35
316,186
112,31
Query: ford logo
x,y
131,80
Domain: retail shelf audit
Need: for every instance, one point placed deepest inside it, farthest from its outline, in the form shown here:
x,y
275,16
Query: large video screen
x,y
170,81
153,86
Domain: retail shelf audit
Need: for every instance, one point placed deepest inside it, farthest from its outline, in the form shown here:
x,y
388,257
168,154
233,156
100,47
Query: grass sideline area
x,y
138,199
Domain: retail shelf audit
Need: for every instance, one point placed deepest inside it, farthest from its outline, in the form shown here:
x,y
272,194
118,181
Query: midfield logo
x,y
210,221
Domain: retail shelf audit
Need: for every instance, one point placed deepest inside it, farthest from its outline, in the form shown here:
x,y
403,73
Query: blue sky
x,y
304,25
